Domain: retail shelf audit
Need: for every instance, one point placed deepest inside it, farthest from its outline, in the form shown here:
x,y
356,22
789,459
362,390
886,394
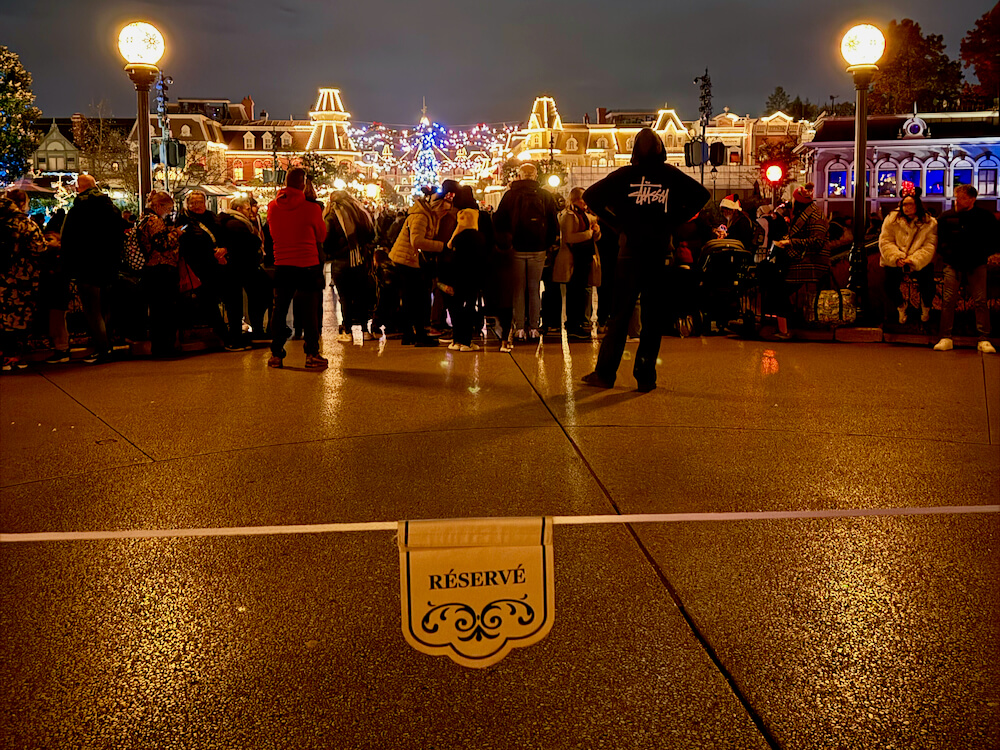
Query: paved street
x,y
802,633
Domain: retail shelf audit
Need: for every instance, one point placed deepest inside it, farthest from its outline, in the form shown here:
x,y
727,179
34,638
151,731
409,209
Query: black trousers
x,y
414,295
308,282
355,292
160,283
577,290
635,277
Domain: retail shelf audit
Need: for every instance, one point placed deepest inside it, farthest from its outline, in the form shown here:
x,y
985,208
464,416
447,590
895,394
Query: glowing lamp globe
x,y
141,44
773,173
863,45
554,180
372,190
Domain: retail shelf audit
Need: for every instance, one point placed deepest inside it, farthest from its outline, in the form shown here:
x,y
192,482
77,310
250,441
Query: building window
x,y
248,141
630,143
963,176
258,170
41,162
185,131
836,183
115,166
887,183
603,162
911,173
286,140
602,142
268,141
735,157
71,162
572,144
238,171
868,179
935,181
987,181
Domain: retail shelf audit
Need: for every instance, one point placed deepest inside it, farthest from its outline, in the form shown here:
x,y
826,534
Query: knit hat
x,y
449,186
731,201
801,195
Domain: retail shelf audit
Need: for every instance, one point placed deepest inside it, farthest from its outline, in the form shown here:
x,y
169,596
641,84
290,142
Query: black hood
x,y
648,148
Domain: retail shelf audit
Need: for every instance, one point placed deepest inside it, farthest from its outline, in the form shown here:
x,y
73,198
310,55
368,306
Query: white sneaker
x,y
454,347
986,347
521,335
506,347
469,348
534,335
345,337
944,345
902,314
925,314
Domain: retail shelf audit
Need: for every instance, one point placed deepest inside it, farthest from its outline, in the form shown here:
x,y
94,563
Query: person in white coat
x,y
907,244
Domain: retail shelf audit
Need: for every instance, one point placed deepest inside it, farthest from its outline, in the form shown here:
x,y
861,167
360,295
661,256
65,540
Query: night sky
x,y
474,61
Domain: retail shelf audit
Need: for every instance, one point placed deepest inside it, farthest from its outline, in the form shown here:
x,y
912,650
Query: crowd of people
x,y
437,273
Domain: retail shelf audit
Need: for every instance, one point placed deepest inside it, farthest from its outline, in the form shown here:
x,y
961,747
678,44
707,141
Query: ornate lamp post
x,y
862,48
141,44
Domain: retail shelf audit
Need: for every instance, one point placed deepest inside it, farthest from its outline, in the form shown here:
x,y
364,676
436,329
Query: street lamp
x,y
141,44
862,47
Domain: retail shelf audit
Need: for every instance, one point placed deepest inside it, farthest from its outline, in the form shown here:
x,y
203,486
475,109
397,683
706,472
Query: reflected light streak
x,y
568,380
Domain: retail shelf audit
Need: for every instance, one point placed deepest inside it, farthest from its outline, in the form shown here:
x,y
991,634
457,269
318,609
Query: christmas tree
x,y
427,164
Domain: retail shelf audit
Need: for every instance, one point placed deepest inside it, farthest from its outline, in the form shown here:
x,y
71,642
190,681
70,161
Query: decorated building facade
x,y
933,151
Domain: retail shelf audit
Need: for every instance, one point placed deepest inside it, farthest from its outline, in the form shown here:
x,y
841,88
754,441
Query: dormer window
x,y
572,144
602,142
185,131
248,141
630,142
286,140
268,141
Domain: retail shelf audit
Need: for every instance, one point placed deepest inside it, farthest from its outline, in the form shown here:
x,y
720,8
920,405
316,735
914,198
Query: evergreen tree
x,y
981,52
18,115
915,69
427,163
777,101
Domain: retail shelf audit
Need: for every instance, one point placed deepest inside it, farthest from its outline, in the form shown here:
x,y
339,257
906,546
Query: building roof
x,y
889,127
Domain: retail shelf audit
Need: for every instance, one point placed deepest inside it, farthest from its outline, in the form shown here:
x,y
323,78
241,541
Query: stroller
x,y
727,289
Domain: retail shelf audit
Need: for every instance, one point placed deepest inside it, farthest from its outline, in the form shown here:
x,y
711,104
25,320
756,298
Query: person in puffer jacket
x,y
298,232
908,243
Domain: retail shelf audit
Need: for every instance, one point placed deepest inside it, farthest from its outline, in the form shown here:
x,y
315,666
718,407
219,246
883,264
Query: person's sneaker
x,y
521,335
944,345
12,364
506,347
986,347
534,335
275,361
453,346
446,338
58,357
902,314
238,347
97,358
345,337
468,348
597,381
315,362
925,314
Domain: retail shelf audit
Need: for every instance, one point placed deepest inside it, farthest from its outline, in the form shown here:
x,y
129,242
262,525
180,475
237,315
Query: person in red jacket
x,y
298,232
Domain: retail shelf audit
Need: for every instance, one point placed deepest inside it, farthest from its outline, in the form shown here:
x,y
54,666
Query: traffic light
x,y
717,154
695,153
176,153
774,172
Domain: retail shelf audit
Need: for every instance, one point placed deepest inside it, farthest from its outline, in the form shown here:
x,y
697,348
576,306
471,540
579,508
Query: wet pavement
x,y
793,633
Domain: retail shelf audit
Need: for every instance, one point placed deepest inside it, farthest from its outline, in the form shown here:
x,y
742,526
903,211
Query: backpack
x,y
530,222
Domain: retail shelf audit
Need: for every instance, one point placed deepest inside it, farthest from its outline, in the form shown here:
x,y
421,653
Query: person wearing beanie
x,y
738,226
646,202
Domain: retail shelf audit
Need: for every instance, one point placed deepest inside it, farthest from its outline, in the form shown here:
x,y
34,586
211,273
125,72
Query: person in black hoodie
x,y
646,202
93,237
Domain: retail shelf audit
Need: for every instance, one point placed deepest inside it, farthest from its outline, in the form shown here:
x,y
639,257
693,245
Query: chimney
x,y
602,114
78,120
248,106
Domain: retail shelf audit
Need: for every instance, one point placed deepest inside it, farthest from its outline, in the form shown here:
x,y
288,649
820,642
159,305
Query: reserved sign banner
x,y
473,589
